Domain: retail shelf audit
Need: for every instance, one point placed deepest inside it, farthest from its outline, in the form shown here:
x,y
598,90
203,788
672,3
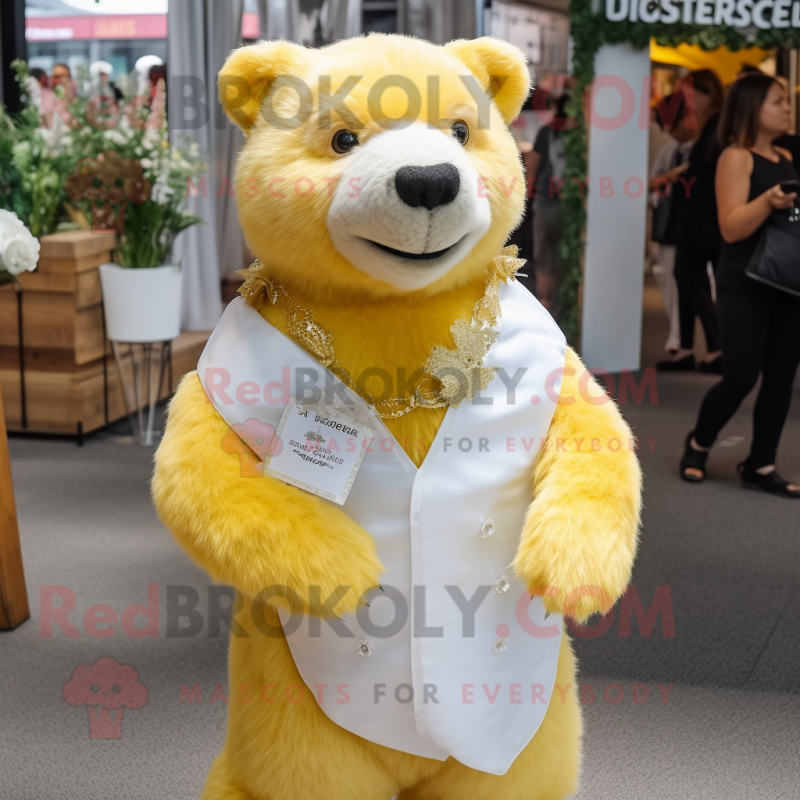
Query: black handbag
x,y
776,260
661,218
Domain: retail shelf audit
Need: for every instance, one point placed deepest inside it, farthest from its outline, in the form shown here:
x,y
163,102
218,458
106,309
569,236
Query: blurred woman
x,y
547,162
665,173
760,324
698,238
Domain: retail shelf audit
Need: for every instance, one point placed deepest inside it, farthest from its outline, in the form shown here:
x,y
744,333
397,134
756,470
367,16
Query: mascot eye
x,y
344,141
461,132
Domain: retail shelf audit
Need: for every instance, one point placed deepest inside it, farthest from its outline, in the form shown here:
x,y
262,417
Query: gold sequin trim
x,y
452,375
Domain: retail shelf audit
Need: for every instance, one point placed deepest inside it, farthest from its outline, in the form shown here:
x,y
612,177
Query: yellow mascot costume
x,y
388,449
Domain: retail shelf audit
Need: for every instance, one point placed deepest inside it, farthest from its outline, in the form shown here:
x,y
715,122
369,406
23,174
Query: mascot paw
x,y
581,531
333,573
575,583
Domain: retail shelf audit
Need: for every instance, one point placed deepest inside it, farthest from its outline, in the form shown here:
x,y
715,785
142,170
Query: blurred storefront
x,y
541,31
81,32
78,33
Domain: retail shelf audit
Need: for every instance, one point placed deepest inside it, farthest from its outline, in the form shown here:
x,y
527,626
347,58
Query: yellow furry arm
x,y
581,529
253,532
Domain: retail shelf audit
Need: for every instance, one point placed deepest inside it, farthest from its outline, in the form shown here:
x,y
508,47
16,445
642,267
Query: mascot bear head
x,y
379,165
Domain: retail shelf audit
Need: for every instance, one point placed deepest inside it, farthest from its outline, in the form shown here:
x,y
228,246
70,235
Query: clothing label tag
x,y
320,450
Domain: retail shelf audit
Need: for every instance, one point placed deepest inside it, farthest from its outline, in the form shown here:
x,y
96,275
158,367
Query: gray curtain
x,y
310,22
441,21
201,35
343,19
279,19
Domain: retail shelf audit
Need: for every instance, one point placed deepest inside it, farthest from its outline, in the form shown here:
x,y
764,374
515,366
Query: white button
x,y
364,648
500,644
487,529
503,585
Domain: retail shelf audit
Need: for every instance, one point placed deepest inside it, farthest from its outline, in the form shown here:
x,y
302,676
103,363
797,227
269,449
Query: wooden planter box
x,y
71,378
60,399
62,305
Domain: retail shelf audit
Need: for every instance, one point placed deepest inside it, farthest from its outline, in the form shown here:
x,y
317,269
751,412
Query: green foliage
x,y
38,155
150,230
589,32
11,197
31,166
150,227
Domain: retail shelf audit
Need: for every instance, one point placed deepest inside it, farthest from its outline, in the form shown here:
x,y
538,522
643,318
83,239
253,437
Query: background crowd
x,y
725,169
60,86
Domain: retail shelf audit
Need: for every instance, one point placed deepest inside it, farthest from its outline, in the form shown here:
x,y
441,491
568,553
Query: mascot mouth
x,y
412,256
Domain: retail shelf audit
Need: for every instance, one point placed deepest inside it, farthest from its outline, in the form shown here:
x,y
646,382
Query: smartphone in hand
x,y
789,187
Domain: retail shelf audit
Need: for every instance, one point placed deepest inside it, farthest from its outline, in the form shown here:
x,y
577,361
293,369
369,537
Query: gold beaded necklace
x,y
452,375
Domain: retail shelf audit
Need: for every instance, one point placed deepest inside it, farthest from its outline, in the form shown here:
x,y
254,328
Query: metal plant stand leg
x,y
157,359
148,368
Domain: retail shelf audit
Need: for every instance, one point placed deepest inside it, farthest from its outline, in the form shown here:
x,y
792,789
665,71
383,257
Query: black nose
x,y
427,186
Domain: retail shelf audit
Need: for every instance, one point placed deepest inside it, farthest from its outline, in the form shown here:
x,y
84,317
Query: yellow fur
x,y
581,529
396,336
497,67
248,532
252,533
289,232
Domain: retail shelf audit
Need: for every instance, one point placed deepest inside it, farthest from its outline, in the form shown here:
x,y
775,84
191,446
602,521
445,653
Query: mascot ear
x,y
500,69
250,72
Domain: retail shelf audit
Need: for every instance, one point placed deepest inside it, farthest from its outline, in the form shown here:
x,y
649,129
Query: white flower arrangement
x,y
19,250
41,149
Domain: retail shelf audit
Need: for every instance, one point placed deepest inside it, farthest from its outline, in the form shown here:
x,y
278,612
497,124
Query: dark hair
x,y
37,73
749,69
66,67
707,82
560,105
738,123
662,113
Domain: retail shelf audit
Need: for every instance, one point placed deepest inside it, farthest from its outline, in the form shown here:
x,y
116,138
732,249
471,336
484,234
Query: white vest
x,y
437,686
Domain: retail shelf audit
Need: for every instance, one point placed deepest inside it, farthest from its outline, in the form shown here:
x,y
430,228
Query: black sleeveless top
x,y
735,257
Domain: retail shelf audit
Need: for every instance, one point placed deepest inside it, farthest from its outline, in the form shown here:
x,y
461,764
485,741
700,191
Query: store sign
x,y
138,26
763,14
34,33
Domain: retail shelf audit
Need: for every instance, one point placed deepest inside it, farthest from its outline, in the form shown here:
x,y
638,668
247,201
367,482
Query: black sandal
x,y
685,364
693,459
771,482
711,367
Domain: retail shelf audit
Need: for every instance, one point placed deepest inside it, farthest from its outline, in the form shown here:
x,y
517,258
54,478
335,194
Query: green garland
x,y
589,32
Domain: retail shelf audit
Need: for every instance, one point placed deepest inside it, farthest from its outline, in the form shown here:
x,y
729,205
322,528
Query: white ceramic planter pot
x,y
142,305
